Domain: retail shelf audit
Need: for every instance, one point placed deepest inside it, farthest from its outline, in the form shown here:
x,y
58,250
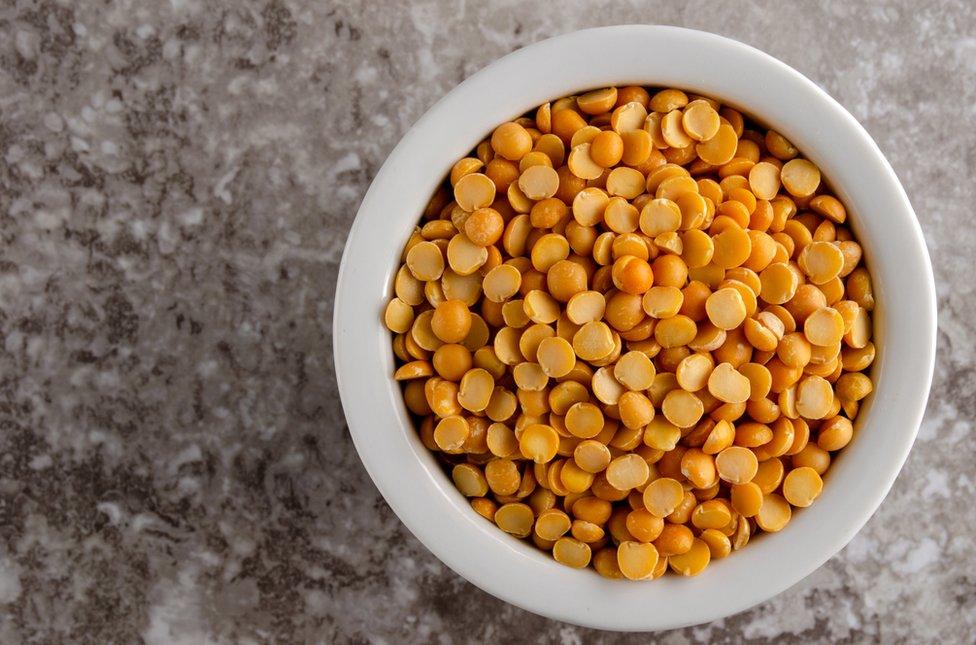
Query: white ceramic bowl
x,y
409,477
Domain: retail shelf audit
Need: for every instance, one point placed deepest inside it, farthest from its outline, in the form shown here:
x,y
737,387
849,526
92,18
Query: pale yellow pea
x,y
821,261
552,524
668,99
693,561
511,140
515,518
501,283
676,331
770,475
719,438
700,120
669,242
636,560
814,397
603,248
513,314
802,486
621,216
555,356
398,316
408,288
662,302
698,468
635,371
746,499
778,283
598,101
859,335
774,514
548,250
464,256
475,389
469,480
800,177
719,545
736,465
638,146
694,210
628,117
605,386
586,134
474,191
465,166
732,247
574,479
539,443
697,248
501,440
672,132
835,433
824,327
829,207
760,380
588,206
422,332
662,496
779,146
853,387
413,370
540,307
592,456
627,471
652,125
538,182
720,148
529,376
534,158
571,552
659,216
586,307
727,384
726,308
682,408
503,476
584,420
434,292
635,410
466,288
529,341
764,180
563,396
674,187
593,341
625,182
764,331
694,370
581,164
425,261
450,433
441,396
661,434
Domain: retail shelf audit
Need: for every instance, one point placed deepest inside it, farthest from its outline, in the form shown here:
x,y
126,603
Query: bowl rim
x,y
408,476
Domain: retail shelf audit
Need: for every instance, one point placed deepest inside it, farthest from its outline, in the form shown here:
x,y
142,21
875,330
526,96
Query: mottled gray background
x,y
177,180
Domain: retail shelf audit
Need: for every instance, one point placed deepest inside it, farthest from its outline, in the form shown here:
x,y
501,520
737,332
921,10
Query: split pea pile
x,y
635,327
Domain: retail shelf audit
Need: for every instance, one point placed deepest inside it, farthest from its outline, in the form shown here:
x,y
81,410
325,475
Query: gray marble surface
x,y
177,178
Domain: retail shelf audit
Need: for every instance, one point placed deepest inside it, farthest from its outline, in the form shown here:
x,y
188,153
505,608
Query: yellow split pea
x,y
636,327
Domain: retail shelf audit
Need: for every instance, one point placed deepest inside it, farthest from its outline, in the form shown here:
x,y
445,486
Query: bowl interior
x,y
409,476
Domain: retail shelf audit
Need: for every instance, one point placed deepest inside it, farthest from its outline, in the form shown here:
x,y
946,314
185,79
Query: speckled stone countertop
x,y
177,178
